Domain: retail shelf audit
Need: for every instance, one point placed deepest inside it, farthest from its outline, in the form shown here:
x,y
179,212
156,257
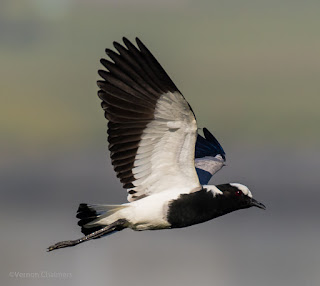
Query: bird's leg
x,y
116,226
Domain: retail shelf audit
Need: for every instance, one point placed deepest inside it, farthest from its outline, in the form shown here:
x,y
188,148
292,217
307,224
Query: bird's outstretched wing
x,y
210,156
152,129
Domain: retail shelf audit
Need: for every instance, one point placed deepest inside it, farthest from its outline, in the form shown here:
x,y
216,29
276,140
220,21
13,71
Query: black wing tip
x,y
103,61
118,46
144,59
209,136
102,73
126,40
208,145
128,43
140,44
107,51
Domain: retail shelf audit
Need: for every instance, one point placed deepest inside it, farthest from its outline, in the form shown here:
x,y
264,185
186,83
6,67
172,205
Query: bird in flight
x,y
156,153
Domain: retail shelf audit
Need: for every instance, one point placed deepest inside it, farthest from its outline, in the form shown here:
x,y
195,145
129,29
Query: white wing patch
x,y
165,155
213,189
210,164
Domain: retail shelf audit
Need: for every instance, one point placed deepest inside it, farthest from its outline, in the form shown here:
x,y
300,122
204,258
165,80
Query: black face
x,y
237,199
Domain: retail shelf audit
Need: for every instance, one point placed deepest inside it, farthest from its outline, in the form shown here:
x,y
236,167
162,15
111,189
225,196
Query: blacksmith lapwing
x,y
156,153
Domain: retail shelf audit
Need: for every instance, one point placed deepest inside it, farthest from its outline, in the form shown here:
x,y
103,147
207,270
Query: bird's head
x,y
239,196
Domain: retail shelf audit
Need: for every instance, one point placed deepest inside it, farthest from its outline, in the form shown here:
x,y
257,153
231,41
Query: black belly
x,y
195,208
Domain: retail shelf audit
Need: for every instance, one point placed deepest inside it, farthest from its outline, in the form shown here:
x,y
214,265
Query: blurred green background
x,y
250,70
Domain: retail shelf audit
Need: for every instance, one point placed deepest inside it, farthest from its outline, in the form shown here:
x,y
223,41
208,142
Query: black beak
x,y
257,204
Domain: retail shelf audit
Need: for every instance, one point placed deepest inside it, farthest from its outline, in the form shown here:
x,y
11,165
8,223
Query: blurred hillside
x,y
250,71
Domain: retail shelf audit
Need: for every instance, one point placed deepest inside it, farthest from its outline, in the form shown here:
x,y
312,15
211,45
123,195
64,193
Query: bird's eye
x,y
238,193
